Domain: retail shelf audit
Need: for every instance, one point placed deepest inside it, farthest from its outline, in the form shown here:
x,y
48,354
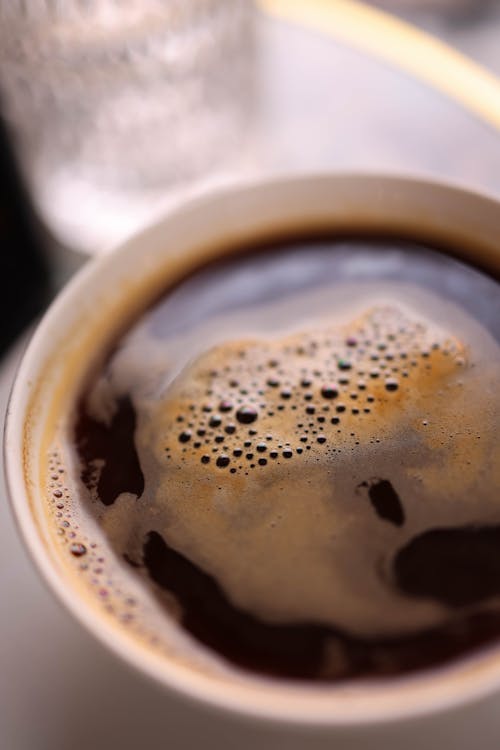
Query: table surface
x,y
58,688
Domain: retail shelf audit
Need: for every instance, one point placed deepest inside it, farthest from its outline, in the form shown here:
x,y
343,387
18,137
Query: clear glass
x,y
113,96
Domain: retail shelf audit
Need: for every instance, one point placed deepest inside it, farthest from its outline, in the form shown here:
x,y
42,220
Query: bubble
x,y
391,384
344,364
287,453
205,459
77,549
185,436
222,460
225,406
261,447
329,391
230,429
215,420
246,414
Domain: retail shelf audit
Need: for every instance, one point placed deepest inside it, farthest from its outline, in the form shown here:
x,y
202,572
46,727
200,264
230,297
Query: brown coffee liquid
x,y
296,450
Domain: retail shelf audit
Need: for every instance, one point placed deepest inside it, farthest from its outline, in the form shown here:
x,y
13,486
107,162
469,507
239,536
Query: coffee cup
x,y
84,320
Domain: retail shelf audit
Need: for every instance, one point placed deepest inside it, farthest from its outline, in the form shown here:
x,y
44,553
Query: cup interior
x,y
110,291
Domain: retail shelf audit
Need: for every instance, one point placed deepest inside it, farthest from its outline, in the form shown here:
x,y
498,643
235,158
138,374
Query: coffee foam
x,y
284,547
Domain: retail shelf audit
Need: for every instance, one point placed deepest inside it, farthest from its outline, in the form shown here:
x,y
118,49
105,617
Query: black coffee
x,y
296,450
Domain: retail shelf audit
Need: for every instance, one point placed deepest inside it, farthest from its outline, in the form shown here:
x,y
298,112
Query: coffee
x,y
292,454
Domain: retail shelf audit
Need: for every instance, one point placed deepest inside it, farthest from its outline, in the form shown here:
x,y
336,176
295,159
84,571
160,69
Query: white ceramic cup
x,y
85,316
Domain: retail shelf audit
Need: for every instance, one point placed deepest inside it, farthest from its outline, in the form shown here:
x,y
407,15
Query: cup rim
x,y
466,679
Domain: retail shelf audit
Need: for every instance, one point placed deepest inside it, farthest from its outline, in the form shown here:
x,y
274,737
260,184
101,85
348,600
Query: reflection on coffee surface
x,y
293,454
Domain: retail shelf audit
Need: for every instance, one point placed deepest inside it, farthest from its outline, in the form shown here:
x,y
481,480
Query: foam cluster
x,y
261,456
247,405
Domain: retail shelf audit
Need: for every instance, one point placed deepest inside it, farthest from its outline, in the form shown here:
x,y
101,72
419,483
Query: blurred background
x,y
471,26
114,111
